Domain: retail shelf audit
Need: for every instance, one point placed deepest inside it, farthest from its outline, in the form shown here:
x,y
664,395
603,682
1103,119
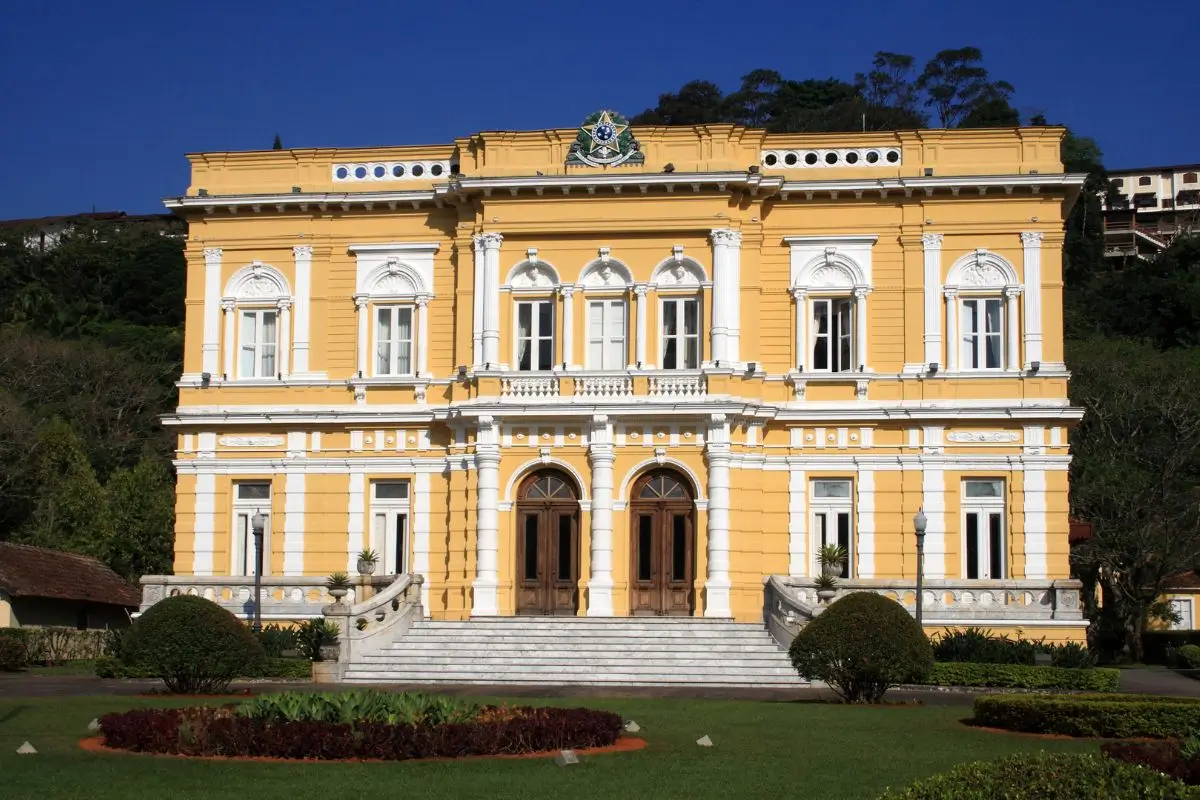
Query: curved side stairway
x,y
586,651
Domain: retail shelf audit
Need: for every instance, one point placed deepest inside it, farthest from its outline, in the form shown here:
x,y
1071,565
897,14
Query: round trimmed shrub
x,y
194,645
1190,654
14,654
861,645
1046,776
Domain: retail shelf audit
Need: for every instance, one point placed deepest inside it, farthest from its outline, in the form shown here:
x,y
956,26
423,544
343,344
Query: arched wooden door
x,y
662,546
547,545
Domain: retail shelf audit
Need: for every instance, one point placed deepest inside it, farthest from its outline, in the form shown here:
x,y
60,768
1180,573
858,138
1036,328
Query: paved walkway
x,y
1158,680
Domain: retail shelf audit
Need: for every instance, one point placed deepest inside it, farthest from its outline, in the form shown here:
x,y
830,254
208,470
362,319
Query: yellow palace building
x,y
611,371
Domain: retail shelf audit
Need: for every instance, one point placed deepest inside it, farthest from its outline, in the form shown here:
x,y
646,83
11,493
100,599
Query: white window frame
x,y
681,337
397,346
536,334
823,518
1184,607
391,527
985,508
973,344
256,347
841,311
613,344
241,535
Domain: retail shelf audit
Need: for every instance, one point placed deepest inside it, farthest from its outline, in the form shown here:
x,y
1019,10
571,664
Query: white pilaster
x,y
601,458
800,296
568,332
717,456
933,500
477,304
724,296
1032,243
204,524
1035,522
860,319
643,313
487,545
293,521
1013,357
491,298
932,243
797,521
229,366
952,343
284,346
866,522
422,337
302,254
422,508
357,511
210,347
362,307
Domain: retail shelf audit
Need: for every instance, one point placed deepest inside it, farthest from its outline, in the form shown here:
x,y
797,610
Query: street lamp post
x,y
919,524
257,523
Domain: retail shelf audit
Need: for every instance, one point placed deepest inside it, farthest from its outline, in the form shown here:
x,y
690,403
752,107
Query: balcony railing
x,y
604,387
678,387
529,389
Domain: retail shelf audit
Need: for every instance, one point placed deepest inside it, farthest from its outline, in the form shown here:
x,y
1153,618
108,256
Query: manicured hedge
x,y
219,731
282,668
1046,776
1019,676
1107,716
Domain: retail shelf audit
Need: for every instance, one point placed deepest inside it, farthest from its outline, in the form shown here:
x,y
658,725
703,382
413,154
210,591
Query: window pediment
x,y
257,281
679,272
606,273
982,270
533,275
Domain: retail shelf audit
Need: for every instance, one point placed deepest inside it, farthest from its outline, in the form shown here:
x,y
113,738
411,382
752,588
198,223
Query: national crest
x,y
605,140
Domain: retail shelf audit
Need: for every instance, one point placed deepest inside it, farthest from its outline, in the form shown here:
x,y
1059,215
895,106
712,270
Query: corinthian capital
x,y
725,236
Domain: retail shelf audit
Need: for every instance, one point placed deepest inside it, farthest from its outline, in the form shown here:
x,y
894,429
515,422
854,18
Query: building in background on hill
x,y
44,233
1157,204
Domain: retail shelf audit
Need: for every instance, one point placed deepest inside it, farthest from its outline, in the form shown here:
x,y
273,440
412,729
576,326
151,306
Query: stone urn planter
x,y
825,595
338,594
368,560
338,585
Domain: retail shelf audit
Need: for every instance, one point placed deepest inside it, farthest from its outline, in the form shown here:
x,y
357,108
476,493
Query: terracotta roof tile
x,y
27,571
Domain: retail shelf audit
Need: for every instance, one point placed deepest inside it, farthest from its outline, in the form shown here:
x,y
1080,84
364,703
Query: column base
x,y
486,591
716,599
600,598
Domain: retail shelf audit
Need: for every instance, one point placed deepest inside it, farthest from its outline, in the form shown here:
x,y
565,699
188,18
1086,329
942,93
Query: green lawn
x,y
762,750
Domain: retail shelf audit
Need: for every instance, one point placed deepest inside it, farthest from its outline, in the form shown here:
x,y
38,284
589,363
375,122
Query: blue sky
x,y
101,100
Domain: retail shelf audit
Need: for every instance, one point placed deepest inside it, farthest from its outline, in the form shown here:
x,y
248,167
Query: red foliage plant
x,y
1163,756
220,732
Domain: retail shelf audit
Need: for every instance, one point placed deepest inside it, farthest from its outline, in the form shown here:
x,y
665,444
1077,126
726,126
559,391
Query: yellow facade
x,y
957,239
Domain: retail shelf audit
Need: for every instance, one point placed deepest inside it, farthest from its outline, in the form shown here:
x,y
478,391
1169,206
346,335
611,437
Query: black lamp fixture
x,y
920,523
258,523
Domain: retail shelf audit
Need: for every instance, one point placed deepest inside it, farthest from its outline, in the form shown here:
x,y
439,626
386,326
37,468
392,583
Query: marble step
x,y
610,679
647,648
525,660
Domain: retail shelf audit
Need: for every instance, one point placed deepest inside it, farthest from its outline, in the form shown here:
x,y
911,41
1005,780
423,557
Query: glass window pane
x,y
993,316
268,360
984,488
670,357
843,523
242,545
821,528
565,559
972,534
831,488
268,326
645,545
525,355
820,327
391,490
693,353
691,319
531,548
254,491
524,320
401,547
679,547
383,329
545,354
670,323
993,351
379,534
995,546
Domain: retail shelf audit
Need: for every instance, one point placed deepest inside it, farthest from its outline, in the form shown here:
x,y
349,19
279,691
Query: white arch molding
x,y
393,281
982,272
536,464
532,274
832,272
393,278
679,271
982,269
605,273
654,463
257,285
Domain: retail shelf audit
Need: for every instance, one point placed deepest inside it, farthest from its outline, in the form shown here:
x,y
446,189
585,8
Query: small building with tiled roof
x,y
40,587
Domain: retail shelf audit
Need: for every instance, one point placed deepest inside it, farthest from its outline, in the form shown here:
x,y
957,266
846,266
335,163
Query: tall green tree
x,y
277,144
141,503
889,93
695,103
955,83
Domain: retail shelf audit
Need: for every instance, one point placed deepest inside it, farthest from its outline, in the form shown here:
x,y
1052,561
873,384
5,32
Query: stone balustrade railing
x,y
603,387
532,388
678,387
789,602
371,625
283,597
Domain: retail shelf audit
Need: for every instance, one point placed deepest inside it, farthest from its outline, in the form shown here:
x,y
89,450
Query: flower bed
x,y
231,731
1167,756
1019,676
1105,716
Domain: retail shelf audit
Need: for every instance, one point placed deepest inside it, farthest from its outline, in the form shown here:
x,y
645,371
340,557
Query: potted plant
x,y
367,561
826,587
338,585
832,558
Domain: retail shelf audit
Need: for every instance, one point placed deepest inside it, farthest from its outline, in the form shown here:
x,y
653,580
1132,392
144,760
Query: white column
x,y
212,310
1035,522
1010,323
204,525
356,540
491,298
723,296
932,242
487,542
866,522
933,500
797,522
717,456
361,305
952,343
800,295
302,254
422,337
1032,242
477,305
601,457
422,512
643,313
860,319
293,521
229,367
285,337
568,331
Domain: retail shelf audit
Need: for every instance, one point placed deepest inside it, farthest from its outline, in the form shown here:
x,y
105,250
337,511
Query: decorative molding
x,y
857,157
983,436
982,269
532,274
257,281
251,441
379,171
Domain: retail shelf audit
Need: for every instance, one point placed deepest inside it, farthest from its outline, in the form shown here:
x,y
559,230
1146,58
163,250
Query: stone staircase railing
x,y
369,626
284,597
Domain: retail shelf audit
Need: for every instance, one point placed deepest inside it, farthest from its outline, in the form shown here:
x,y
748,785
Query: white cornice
x,y
721,180
303,199
959,182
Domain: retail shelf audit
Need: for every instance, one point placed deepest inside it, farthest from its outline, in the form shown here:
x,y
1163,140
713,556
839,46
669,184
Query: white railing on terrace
x,y
283,597
603,387
532,388
678,387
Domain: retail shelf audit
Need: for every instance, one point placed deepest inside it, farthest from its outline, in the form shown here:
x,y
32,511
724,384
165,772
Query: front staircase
x,y
582,651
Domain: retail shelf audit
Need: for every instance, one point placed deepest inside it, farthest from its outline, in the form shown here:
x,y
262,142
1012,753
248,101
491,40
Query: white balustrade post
x,y
952,343
302,256
1032,243
284,340
491,298
422,337
229,368
860,318
568,332
800,295
487,543
932,243
717,456
1013,360
601,458
212,310
361,304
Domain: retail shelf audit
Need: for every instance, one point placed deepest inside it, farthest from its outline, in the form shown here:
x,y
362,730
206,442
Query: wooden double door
x,y
547,546
662,545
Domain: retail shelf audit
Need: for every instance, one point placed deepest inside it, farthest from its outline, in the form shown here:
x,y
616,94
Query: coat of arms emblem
x,y
605,140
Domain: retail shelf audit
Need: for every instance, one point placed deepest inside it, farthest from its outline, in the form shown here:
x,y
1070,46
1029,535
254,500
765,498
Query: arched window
x,y
680,282
257,305
981,291
664,486
831,303
392,329
607,283
534,284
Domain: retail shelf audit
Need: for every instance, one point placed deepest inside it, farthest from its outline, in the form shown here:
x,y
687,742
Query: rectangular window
x,y
832,521
606,334
250,499
983,333
389,526
531,547
535,335
258,342
681,333
983,529
393,340
832,335
1182,606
